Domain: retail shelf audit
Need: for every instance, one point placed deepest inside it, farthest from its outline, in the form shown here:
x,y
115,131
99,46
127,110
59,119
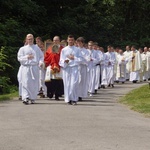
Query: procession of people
x,y
77,70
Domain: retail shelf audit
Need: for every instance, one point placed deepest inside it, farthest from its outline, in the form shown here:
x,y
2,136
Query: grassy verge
x,y
138,100
8,96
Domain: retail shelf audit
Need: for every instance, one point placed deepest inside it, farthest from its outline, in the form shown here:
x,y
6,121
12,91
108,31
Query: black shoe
x,y
99,87
26,101
108,85
69,103
122,82
103,86
20,98
134,81
74,103
80,99
42,96
95,91
112,85
57,98
50,95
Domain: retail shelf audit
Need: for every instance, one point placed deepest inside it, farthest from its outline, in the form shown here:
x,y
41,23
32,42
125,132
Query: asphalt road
x,y
96,123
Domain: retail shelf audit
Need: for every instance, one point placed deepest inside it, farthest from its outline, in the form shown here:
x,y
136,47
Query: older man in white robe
x,y
121,67
30,58
147,64
127,55
70,59
135,64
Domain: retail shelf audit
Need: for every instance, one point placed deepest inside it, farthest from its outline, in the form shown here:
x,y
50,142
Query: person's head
x,y
85,45
133,48
30,39
117,49
145,49
112,49
127,48
70,40
56,40
101,49
80,42
38,40
41,46
109,48
95,45
90,45
120,51
141,50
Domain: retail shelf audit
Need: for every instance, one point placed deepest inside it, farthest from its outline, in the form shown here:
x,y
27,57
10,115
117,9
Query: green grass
x,y
8,96
138,100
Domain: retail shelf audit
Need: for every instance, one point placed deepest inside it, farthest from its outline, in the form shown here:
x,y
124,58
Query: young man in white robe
x,y
70,59
110,63
127,55
103,69
30,58
83,75
93,59
121,67
116,50
42,71
98,69
135,64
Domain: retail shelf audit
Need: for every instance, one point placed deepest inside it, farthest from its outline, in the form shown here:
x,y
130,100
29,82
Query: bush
x,y
4,79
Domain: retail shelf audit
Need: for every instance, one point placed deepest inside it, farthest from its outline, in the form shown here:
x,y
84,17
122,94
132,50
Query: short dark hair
x,y
133,46
80,39
70,36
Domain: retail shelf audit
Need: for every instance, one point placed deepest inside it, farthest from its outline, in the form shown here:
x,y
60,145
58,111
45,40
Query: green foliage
x,y
13,93
4,80
138,100
115,22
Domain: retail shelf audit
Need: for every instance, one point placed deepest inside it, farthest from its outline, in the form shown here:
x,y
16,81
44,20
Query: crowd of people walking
x,y
76,70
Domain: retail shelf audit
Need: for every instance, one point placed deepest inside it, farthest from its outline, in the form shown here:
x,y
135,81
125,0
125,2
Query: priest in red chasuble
x,y
51,59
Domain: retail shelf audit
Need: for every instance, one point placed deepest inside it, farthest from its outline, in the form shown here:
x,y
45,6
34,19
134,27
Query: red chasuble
x,y
52,59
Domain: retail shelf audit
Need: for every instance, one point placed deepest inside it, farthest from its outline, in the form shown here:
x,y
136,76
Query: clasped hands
x,y
71,57
30,56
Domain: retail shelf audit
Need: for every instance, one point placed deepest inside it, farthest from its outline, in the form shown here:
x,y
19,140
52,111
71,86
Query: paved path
x,y
98,123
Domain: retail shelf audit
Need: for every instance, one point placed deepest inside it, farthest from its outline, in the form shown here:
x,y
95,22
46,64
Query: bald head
x,y
30,39
56,39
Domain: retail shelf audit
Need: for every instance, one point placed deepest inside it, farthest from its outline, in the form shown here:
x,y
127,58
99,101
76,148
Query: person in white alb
x,y
121,67
135,64
127,55
83,75
93,59
103,72
110,62
70,59
31,58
